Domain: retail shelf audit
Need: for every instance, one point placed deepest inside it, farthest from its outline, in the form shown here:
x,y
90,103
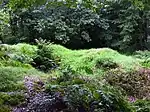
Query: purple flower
x,y
131,99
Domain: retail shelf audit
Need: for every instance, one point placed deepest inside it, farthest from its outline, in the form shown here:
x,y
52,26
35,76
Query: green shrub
x,y
106,63
13,63
15,56
86,94
11,99
5,108
10,78
23,53
142,105
142,54
26,49
44,60
146,63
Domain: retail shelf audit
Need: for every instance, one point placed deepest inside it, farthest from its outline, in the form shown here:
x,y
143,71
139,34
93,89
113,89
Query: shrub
x,y
92,61
4,108
81,94
13,63
44,60
72,93
22,53
11,56
146,63
106,63
11,78
142,54
135,84
142,105
26,49
12,98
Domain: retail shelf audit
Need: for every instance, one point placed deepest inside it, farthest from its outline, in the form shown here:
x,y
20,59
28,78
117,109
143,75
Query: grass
x,y
85,61
22,48
143,57
12,86
91,62
12,78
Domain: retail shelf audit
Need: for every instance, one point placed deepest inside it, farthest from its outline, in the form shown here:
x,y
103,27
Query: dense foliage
x,y
76,85
73,94
117,24
135,84
74,56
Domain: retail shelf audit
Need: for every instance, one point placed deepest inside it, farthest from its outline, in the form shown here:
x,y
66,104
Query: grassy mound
x,y
12,78
16,63
92,61
86,62
17,55
12,86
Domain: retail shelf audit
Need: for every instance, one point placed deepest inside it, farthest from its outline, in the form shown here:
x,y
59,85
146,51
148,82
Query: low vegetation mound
x,y
135,84
38,77
92,61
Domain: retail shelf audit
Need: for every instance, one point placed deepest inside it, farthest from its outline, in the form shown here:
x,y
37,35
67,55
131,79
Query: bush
x,y
142,54
142,105
44,60
4,108
146,63
11,78
92,61
81,94
74,94
135,84
14,56
11,99
22,53
106,63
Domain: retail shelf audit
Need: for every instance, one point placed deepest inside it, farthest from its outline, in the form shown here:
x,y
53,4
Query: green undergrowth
x,y
86,62
12,86
16,62
144,58
7,100
142,105
93,61
12,78
19,55
84,91
21,48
